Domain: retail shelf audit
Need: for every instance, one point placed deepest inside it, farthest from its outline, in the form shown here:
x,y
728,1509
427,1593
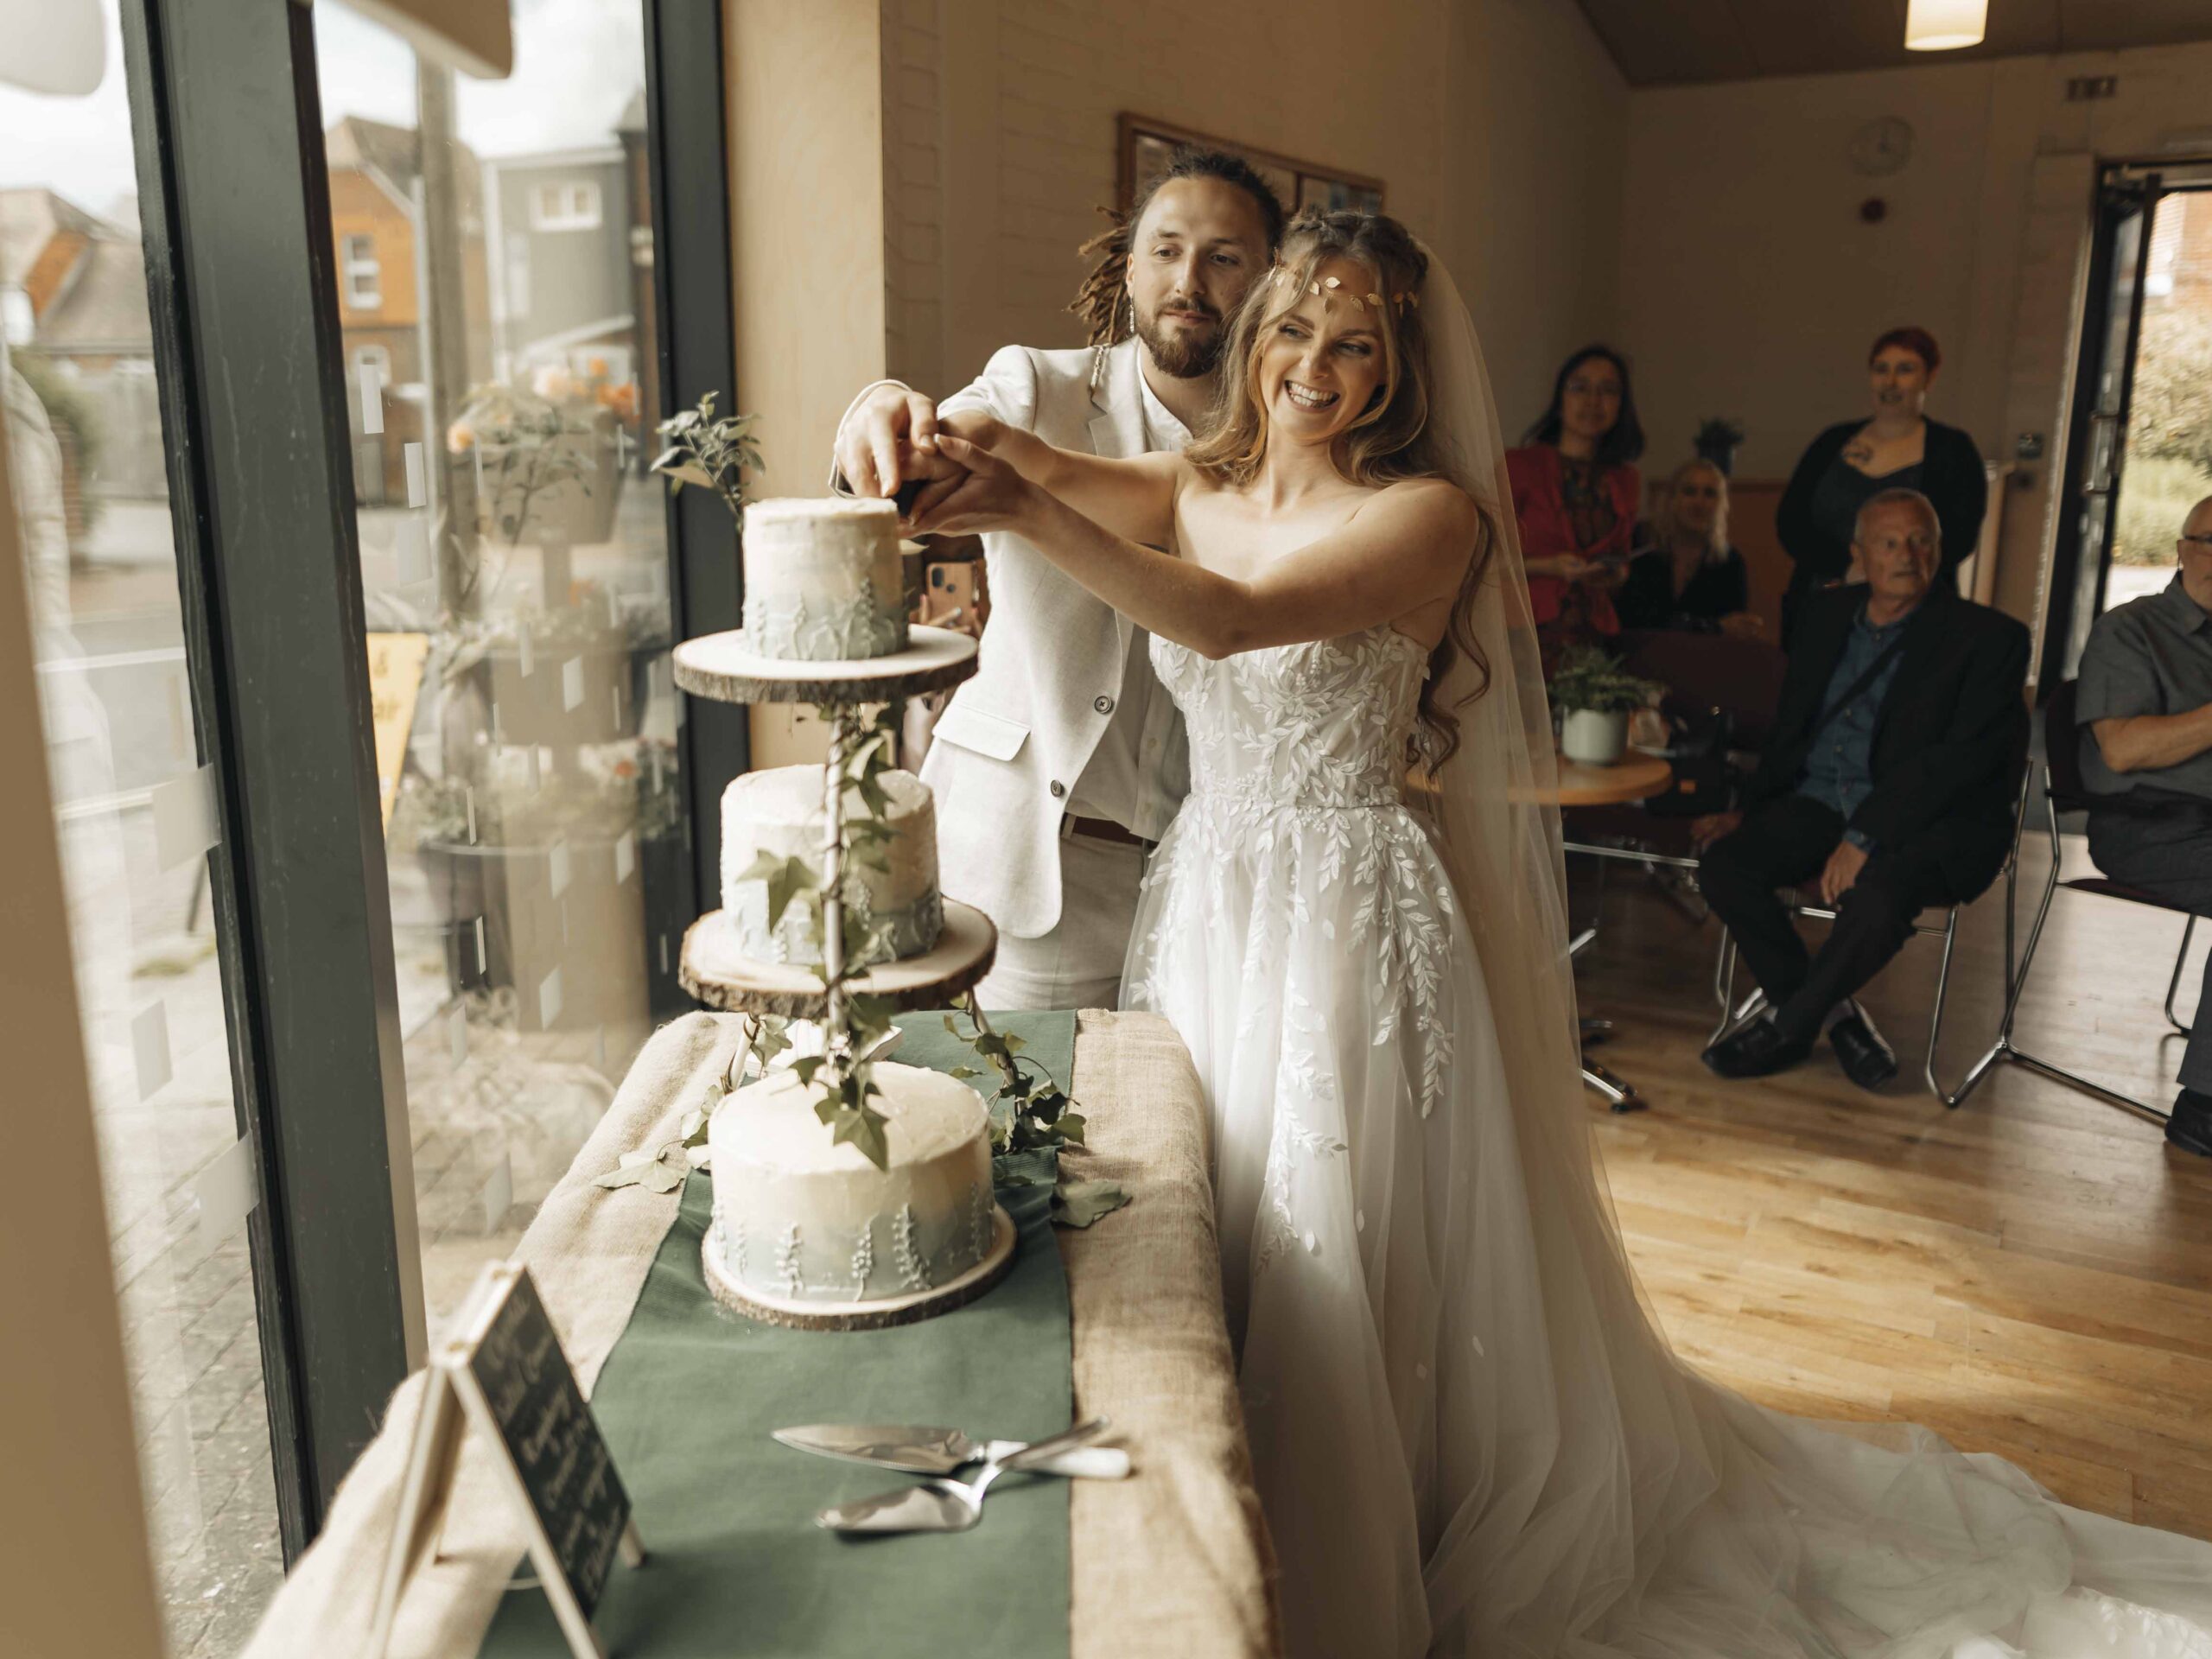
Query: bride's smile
x,y
1322,359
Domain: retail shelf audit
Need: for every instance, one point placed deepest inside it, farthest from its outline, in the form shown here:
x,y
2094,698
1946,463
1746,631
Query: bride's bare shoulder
x,y
1435,501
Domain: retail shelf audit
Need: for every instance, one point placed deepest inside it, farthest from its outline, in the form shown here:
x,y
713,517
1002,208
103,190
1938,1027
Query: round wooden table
x,y
1635,776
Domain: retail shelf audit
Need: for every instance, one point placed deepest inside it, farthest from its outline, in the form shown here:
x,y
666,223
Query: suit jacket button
x,y
1103,705
1060,789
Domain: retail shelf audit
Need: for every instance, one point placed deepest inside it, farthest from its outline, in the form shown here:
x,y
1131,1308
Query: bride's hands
x,y
991,495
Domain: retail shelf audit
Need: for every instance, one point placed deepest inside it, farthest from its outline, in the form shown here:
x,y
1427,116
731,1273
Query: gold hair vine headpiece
x,y
1331,289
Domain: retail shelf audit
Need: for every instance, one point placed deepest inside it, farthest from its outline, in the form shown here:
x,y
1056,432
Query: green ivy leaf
x,y
1080,1203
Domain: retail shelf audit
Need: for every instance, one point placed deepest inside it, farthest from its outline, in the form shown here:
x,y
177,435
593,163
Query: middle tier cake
x,y
779,812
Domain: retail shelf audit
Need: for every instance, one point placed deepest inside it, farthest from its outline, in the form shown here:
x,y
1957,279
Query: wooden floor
x,y
2030,1275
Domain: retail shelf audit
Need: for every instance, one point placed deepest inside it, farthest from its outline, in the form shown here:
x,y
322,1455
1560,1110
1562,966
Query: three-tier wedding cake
x,y
807,1229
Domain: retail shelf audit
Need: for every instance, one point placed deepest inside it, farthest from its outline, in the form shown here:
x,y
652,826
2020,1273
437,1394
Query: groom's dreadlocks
x,y
1098,302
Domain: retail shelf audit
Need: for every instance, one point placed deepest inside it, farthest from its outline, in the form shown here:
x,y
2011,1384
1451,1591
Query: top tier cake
x,y
822,580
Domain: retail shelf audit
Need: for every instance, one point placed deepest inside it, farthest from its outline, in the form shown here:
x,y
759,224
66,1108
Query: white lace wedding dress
x,y
1468,1437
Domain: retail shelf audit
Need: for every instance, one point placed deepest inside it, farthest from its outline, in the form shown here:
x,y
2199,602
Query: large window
x,y
515,566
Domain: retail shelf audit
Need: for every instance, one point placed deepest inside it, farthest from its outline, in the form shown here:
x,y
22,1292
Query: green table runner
x,y
734,1563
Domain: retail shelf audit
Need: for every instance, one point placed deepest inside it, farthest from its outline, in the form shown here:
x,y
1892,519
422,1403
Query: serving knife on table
x,y
941,1504
923,1449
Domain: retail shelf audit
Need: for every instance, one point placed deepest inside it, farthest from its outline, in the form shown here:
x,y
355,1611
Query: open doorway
x,y
2141,446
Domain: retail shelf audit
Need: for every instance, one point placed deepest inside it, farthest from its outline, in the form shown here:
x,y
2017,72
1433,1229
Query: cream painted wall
x,y
807,226
1537,119
1749,286
76,1576
1495,124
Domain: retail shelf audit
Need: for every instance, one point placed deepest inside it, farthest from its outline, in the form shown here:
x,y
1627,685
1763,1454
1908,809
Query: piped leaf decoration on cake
x,y
913,1271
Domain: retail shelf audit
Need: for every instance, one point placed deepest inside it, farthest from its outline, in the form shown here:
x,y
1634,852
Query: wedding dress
x,y
1470,1436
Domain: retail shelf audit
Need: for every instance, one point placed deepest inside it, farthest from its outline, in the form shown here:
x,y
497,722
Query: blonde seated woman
x,y
1684,576
1468,1437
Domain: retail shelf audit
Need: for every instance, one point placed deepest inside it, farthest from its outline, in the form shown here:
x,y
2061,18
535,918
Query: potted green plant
x,y
1596,695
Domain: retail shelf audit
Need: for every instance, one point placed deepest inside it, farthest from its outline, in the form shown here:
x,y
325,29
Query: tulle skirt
x,y
1469,1436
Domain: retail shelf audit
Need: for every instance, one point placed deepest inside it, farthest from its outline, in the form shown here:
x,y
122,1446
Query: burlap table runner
x,y
1172,1561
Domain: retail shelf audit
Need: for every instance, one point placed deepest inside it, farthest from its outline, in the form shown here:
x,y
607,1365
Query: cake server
x,y
921,1449
941,1505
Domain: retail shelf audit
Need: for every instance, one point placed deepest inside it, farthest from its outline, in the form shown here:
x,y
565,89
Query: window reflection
x,y
494,264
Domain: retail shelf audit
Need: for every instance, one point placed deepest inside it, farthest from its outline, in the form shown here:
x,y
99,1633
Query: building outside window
x,y
364,275
569,207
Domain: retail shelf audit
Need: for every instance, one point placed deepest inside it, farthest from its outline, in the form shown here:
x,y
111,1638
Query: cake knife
x,y
920,1449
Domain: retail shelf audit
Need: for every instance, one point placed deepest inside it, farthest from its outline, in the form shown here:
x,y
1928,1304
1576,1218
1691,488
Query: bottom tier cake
x,y
801,1220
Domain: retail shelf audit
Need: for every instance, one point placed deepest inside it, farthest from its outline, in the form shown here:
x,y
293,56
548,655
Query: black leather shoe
x,y
1867,1060
2190,1127
1759,1050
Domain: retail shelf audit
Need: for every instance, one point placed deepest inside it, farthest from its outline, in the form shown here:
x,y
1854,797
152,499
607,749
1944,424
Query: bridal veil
x,y
1615,1502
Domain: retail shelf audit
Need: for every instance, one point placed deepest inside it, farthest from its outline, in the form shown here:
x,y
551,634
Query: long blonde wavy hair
x,y
1387,442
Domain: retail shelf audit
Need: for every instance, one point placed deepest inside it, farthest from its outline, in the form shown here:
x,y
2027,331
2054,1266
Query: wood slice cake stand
x,y
725,667
876,1312
721,976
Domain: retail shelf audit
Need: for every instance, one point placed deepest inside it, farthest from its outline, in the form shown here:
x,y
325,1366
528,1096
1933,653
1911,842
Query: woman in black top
x,y
1685,577
1899,449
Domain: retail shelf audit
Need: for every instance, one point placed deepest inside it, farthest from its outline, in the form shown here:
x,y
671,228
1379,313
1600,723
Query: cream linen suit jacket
x,y
1008,748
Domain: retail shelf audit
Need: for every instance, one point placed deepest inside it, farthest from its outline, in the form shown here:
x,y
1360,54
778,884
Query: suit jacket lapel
x,y
1117,407
1924,637
1117,429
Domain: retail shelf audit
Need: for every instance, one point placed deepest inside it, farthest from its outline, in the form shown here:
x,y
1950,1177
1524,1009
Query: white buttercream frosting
x,y
799,1216
780,811
822,580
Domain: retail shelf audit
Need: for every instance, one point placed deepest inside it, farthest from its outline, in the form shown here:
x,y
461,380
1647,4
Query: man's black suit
x,y
1949,746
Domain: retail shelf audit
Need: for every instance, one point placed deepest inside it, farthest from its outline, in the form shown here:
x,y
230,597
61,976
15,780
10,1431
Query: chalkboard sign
x,y
503,1374
567,1472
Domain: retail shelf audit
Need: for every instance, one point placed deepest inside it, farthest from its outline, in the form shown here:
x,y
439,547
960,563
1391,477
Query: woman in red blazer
x,y
1575,494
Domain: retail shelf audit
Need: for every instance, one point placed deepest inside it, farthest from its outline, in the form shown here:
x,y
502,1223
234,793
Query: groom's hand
x,y
889,439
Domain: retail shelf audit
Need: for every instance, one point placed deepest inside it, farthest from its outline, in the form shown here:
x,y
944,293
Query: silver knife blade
x,y
916,1448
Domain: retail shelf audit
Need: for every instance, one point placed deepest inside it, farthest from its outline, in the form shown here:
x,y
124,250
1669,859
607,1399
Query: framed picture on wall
x,y
1146,144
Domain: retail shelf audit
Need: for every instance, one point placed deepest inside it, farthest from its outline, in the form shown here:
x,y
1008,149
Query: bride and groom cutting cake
x,y
1248,565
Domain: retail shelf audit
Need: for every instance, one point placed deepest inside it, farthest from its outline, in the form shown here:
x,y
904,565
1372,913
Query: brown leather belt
x,y
1104,830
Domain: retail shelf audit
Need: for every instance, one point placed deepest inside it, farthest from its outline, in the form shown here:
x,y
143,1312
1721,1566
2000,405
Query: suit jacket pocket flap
x,y
992,735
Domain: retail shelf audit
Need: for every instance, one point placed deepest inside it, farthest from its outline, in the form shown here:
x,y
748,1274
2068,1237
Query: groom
x,y
1059,766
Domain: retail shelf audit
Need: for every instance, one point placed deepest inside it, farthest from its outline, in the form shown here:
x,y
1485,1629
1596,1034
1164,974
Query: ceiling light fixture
x,y
1944,25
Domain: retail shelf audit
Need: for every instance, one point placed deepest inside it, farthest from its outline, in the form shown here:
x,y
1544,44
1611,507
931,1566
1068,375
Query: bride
x,y
1469,1436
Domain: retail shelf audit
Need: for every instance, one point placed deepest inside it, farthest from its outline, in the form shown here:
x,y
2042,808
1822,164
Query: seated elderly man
x,y
2146,696
1889,779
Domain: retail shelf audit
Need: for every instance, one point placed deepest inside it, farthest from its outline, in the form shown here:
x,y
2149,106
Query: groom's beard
x,y
1179,352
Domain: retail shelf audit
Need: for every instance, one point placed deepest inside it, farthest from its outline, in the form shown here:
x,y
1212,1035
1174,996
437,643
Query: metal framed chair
x,y
1733,1014
2063,792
